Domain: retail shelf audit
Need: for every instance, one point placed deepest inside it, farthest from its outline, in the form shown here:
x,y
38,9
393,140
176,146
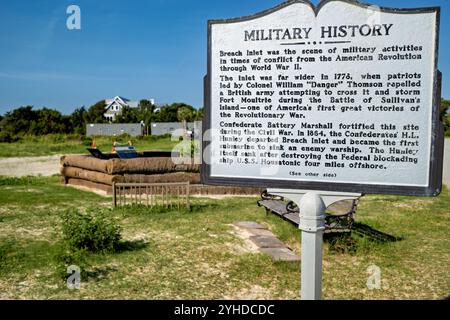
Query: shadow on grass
x,y
202,207
133,245
81,258
97,274
361,235
136,209
372,234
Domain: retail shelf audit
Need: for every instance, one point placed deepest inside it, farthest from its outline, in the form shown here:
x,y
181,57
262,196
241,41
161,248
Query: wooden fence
x,y
167,195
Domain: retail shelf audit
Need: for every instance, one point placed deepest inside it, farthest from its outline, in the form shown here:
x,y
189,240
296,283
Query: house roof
x,y
122,98
121,101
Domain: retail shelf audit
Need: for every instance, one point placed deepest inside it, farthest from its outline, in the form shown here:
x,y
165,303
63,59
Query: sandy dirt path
x,y
30,166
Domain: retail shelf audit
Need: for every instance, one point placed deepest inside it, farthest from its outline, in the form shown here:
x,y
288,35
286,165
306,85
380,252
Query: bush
x,y
68,257
87,141
7,137
56,138
93,232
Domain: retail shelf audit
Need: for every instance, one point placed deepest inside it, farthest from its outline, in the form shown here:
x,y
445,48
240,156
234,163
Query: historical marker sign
x,y
341,97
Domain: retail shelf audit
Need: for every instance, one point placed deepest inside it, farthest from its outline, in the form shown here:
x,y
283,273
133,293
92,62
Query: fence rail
x,y
168,195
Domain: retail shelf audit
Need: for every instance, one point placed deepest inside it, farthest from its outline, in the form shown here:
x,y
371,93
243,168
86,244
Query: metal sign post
x,y
312,205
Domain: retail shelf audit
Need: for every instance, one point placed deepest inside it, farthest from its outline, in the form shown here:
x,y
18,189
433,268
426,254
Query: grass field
x,y
194,254
74,144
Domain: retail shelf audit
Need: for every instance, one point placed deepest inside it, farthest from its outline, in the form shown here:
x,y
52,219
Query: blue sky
x,y
137,49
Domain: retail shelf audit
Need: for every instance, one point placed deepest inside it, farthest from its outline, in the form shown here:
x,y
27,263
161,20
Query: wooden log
x,y
94,176
131,166
190,177
90,185
86,162
150,166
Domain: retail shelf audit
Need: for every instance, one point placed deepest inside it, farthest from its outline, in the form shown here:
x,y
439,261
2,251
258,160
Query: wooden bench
x,y
339,219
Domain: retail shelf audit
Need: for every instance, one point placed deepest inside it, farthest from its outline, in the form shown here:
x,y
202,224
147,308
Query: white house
x,y
114,106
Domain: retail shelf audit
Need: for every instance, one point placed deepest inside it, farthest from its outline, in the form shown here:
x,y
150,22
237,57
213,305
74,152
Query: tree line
x,y
28,121
25,120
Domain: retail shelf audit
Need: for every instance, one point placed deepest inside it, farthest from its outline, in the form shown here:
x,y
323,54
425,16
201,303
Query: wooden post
x,y
114,195
187,195
118,196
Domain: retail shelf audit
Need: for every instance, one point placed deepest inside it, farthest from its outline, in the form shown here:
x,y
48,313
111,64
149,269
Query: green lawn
x,y
73,144
187,255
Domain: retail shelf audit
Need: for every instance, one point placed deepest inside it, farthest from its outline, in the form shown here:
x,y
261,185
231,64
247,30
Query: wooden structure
x,y
153,167
167,195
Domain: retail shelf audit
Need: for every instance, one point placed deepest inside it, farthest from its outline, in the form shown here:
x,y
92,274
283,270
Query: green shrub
x,y
87,141
70,256
56,138
7,137
74,137
90,231
31,139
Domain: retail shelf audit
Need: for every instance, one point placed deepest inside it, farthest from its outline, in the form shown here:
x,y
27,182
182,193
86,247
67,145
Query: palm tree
x,y
184,115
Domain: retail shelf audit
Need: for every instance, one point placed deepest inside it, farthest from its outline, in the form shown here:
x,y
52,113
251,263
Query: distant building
x,y
114,129
174,128
113,107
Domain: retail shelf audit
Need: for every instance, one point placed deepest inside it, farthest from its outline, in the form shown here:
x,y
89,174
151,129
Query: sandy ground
x,y
30,166
49,165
